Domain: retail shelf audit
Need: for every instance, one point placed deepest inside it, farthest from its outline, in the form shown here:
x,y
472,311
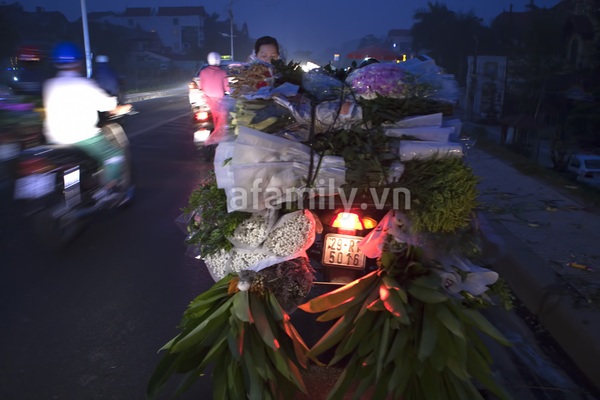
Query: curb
x,y
574,327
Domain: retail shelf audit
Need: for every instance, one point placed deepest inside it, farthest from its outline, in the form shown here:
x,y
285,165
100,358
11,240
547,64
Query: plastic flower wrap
x,y
384,79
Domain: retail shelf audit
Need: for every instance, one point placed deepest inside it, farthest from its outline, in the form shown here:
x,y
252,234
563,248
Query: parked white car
x,y
587,168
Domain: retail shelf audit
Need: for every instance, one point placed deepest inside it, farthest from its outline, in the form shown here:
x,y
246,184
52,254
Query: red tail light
x,y
353,221
34,166
588,175
347,221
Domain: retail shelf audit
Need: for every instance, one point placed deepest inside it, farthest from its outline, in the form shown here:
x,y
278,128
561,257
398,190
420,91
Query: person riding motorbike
x,y
71,105
214,85
107,78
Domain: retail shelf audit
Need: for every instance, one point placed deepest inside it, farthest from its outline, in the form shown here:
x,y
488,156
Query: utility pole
x,y
230,27
86,40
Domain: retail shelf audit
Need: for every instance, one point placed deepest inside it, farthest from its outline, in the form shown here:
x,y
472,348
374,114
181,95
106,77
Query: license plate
x,y
201,135
342,250
71,177
71,182
34,186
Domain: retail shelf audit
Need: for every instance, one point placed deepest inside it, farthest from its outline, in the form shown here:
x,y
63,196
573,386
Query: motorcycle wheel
x,y
54,233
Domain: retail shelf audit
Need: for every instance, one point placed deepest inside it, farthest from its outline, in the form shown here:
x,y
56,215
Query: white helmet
x,y
214,58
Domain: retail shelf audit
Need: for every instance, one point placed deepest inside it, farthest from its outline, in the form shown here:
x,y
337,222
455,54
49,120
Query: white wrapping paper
x,y
259,170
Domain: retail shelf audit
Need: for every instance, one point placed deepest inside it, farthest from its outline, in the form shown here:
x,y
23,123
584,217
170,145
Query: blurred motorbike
x,y
60,186
203,124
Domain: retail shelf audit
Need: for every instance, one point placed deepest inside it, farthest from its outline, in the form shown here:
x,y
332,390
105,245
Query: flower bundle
x,y
404,334
378,79
242,330
411,329
248,78
291,234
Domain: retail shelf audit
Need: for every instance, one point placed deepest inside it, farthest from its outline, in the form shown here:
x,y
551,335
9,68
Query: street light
x,y
229,36
86,40
231,26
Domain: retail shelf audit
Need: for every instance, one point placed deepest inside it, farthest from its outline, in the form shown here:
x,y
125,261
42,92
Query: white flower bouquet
x,y
250,234
294,232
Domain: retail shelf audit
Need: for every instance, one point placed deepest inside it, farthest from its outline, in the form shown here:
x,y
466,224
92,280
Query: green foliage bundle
x,y
210,224
443,193
404,336
256,352
365,152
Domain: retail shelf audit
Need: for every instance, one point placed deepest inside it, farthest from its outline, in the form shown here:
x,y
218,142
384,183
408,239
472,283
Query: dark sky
x,y
304,24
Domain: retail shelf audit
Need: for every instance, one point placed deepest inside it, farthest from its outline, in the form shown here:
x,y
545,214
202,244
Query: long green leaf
x,y
452,323
399,342
241,307
480,370
401,376
300,347
362,327
429,281
481,323
260,358
431,384
343,382
394,304
162,372
442,350
296,376
254,385
383,347
223,385
216,351
275,308
429,332
339,296
279,361
198,333
370,297
427,295
189,379
338,311
261,321
335,334
367,381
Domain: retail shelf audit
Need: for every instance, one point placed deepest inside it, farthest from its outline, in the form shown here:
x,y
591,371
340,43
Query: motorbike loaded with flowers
x,y
353,178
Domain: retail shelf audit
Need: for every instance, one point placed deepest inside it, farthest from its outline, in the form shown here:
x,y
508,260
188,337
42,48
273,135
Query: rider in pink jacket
x,y
214,84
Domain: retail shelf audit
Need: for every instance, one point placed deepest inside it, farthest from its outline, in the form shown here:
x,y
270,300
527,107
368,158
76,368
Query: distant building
x,y
179,28
400,41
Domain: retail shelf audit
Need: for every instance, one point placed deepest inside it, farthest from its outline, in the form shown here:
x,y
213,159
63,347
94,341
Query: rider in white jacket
x,y
71,105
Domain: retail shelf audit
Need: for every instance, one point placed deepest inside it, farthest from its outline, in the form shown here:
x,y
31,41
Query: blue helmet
x,y
66,54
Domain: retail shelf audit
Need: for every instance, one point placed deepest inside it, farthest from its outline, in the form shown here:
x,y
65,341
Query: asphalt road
x,y
87,322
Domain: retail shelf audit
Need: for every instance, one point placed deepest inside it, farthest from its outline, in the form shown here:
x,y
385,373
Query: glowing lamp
x,y
368,223
201,135
347,222
201,115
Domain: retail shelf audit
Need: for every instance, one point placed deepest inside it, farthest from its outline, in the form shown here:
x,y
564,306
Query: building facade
x,y
179,28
